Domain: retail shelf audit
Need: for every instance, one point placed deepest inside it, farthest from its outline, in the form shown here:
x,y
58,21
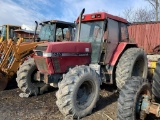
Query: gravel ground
x,y
43,107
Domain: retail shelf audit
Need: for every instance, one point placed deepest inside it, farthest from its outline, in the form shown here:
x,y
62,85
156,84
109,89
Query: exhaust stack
x,y
35,31
79,26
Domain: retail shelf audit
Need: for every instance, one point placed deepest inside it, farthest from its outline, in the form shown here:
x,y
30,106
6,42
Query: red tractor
x,y
100,54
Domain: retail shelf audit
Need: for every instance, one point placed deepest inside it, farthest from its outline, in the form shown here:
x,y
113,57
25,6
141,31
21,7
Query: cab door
x,y
112,40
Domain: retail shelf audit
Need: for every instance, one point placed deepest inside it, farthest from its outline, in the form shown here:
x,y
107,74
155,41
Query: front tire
x,y
129,97
25,79
133,62
78,92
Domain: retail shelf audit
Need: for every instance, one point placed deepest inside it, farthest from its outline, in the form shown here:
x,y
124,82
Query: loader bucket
x,y
3,81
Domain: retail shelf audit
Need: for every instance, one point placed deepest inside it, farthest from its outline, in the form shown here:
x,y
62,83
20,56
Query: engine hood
x,y
58,57
67,47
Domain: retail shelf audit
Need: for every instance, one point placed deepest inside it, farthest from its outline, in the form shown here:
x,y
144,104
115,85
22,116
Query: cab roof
x,y
11,25
101,16
58,22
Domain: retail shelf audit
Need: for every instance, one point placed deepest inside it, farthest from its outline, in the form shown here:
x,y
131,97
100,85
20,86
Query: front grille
x,y
56,65
41,64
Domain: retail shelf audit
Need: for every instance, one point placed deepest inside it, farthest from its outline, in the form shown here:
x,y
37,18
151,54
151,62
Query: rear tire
x,y
133,62
156,81
25,78
128,97
78,92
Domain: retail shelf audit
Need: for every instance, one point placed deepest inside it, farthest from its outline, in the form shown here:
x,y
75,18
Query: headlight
x,y
47,54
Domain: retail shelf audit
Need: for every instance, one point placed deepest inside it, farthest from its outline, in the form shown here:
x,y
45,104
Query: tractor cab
x,y
97,38
104,32
56,31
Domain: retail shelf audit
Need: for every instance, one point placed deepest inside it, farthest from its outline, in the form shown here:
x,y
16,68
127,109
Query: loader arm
x,y
15,56
20,54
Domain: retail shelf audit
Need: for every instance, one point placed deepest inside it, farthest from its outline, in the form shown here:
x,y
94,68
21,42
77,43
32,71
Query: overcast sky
x,y
27,11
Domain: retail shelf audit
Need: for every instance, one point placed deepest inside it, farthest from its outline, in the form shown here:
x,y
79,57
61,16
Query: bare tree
x,y
155,5
138,15
128,14
143,15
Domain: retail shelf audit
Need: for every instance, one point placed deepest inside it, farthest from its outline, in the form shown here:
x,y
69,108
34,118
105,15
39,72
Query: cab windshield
x,y
91,31
3,32
47,32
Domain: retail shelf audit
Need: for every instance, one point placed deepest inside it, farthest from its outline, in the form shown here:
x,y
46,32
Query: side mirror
x,y
0,32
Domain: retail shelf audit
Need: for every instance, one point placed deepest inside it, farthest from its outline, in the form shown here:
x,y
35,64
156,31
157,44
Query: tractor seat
x,y
67,36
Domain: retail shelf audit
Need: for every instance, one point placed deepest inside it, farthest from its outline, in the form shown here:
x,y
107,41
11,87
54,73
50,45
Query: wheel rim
x,y
138,68
84,95
35,83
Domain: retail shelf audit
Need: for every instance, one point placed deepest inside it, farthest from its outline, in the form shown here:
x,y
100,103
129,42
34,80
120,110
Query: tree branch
x,y
154,6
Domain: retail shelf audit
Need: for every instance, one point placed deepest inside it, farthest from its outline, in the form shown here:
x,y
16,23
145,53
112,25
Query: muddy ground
x,y
43,107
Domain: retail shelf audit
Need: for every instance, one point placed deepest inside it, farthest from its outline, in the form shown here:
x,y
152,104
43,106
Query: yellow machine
x,y
152,60
8,31
10,61
14,53
6,34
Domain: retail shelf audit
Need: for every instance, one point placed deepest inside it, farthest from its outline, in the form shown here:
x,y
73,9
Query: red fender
x,y
120,48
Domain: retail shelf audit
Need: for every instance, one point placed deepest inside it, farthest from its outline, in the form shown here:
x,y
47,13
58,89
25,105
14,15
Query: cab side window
x,y
64,34
113,31
12,33
124,32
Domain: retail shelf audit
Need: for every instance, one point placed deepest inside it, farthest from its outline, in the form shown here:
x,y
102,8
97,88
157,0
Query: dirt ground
x,y
43,107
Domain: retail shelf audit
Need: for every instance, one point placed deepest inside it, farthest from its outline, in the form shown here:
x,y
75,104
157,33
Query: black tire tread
x,y
66,89
156,81
123,66
22,80
126,100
